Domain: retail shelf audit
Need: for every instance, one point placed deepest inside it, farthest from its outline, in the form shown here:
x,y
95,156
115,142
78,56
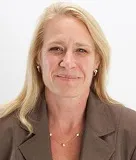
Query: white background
x,y
18,19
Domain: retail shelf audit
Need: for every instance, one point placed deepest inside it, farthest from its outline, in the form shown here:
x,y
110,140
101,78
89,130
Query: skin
x,y
68,50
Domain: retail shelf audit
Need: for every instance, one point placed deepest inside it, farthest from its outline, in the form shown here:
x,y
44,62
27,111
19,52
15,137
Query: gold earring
x,y
95,72
38,68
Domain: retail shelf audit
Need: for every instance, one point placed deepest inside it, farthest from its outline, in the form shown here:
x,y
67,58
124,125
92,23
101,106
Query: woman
x,y
63,111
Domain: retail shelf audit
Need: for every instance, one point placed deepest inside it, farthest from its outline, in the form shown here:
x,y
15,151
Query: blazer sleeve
x,y
6,139
134,155
128,136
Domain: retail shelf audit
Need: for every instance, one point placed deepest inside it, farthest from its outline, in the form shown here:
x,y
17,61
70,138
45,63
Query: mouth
x,y
68,77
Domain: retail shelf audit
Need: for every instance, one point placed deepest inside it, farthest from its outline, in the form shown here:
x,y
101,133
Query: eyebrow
x,y
55,42
83,44
79,44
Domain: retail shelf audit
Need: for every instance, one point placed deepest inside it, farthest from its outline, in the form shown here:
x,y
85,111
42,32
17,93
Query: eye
x,y
81,50
56,49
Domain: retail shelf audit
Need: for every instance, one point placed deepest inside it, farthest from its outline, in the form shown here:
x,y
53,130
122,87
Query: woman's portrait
x,y
64,111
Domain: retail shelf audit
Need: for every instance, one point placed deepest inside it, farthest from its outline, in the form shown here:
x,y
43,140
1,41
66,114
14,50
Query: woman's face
x,y
68,57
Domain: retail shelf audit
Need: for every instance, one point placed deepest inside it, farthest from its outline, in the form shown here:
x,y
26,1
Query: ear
x,y
38,58
97,61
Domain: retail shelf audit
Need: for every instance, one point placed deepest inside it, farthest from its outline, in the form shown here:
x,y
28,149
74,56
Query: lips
x,y
68,76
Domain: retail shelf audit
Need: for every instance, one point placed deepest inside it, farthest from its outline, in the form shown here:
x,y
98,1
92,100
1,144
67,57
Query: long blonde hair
x,y
33,84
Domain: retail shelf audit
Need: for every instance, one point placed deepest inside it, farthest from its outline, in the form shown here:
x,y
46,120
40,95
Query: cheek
x,y
88,66
48,65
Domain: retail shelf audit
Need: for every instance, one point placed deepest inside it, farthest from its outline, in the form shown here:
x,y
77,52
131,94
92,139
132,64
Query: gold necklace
x,y
68,141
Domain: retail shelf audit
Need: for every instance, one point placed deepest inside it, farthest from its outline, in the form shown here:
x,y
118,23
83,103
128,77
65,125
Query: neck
x,y
66,113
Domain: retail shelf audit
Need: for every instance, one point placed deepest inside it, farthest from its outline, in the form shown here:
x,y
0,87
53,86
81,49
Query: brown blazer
x,y
110,134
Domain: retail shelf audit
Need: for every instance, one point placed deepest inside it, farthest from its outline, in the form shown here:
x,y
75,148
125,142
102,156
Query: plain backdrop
x,y
18,19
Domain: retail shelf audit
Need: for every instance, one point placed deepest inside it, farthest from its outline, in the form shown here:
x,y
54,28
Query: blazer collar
x,y
37,146
98,124
98,116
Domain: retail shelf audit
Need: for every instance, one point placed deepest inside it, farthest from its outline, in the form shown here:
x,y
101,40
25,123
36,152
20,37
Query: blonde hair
x,y
33,84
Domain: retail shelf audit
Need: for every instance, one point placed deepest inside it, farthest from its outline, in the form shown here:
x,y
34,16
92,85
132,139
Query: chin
x,y
68,94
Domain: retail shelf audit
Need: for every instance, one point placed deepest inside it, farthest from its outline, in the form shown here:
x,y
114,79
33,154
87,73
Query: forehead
x,y
66,28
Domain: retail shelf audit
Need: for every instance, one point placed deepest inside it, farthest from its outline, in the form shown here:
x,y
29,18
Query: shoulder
x,y
125,121
10,129
9,121
8,125
123,115
125,129
11,135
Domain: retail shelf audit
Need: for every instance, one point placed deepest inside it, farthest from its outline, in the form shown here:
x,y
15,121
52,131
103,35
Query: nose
x,y
68,61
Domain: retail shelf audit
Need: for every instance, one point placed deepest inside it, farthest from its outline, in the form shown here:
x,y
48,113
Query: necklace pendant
x,y
63,144
77,134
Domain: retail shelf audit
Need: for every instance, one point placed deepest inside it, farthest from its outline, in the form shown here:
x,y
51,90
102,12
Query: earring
x,y
38,68
95,72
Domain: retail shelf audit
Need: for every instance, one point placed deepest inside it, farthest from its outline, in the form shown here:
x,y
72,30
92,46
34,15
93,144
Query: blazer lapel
x,y
99,125
38,145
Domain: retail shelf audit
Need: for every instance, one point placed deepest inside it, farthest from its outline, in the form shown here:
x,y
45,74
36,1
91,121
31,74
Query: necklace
x,y
68,141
